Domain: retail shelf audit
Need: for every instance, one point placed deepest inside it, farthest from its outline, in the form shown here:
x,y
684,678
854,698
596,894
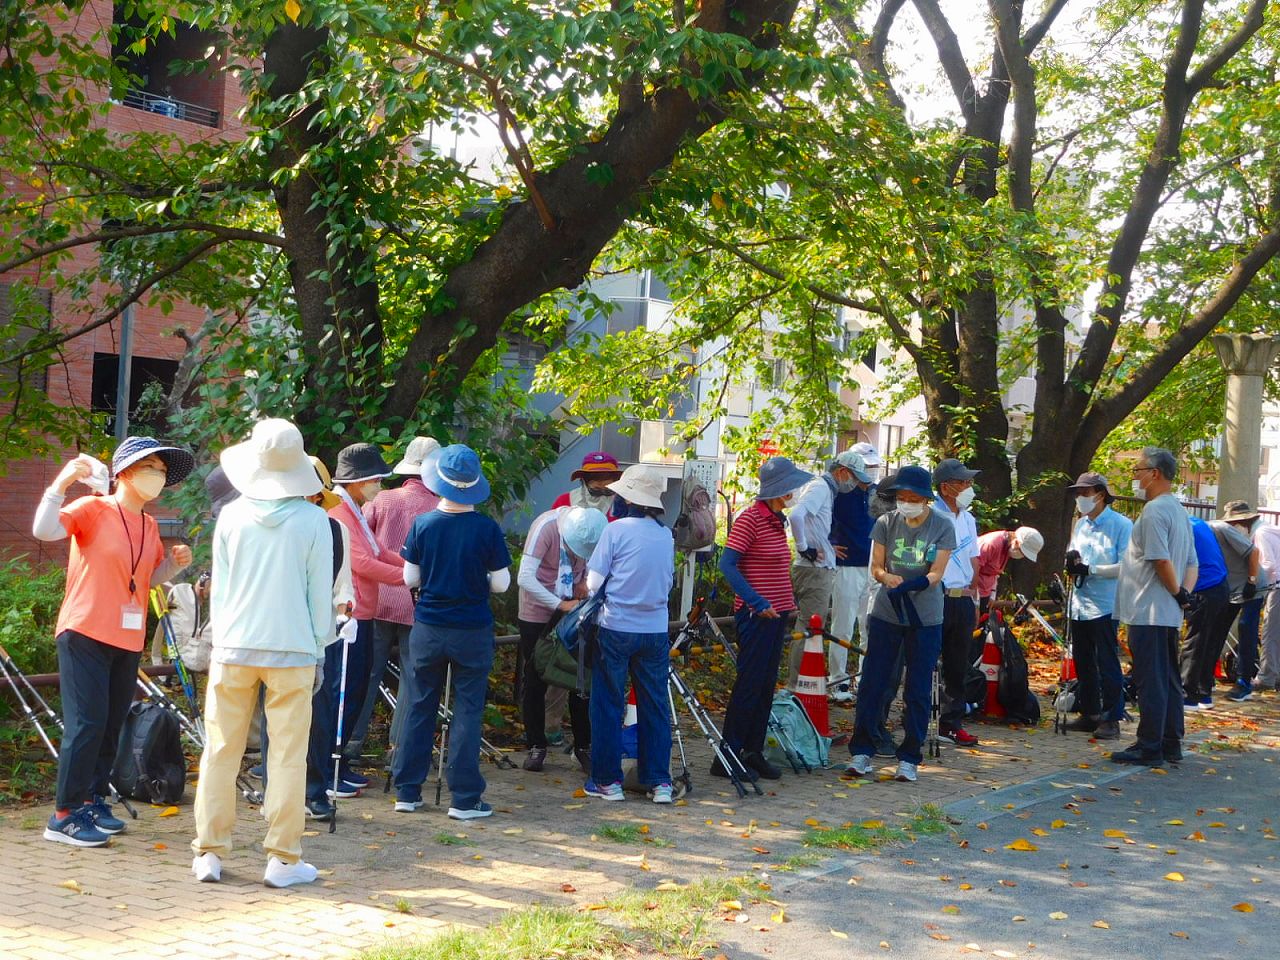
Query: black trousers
x,y
533,696
959,620
97,682
1206,633
1096,649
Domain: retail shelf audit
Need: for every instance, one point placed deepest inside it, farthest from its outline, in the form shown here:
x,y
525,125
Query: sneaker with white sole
x,y
662,793
407,806
906,772
605,791
77,829
207,867
860,765
841,693
481,809
280,874
103,818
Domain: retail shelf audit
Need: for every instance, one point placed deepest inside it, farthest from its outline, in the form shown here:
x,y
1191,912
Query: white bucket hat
x,y
641,484
271,464
419,449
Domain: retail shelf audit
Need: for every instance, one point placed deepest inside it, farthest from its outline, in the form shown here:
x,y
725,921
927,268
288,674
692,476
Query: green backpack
x,y
789,720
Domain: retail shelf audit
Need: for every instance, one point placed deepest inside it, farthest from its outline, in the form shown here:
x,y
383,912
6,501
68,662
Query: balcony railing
x,y
169,107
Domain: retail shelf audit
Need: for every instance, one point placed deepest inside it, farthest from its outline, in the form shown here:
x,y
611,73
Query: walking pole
x,y
935,714
160,604
13,674
444,733
337,738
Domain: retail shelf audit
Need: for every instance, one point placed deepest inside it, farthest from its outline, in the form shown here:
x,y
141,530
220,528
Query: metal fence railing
x,y
1132,506
169,107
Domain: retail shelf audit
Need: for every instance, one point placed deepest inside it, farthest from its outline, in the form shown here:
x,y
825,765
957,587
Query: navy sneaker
x,y
256,771
102,818
1241,692
481,809
76,828
319,810
356,780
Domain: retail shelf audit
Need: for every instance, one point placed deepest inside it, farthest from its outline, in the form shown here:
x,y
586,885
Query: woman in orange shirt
x,y
116,555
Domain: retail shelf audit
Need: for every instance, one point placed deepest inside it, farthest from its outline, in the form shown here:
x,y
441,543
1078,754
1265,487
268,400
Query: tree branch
x,y
180,264
1036,32
950,56
1008,18
144,230
1228,48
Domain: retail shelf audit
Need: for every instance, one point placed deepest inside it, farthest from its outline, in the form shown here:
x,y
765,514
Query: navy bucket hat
x,y
912,479
178,463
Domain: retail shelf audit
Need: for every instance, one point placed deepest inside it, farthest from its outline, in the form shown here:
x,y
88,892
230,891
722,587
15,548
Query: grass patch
x,y
630,833
681,922
928,820
402,906
799,862
533,932
452,840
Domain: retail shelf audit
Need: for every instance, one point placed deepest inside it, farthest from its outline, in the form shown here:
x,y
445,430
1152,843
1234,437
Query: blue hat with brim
x,y
454,472
913,480
178,463
779,476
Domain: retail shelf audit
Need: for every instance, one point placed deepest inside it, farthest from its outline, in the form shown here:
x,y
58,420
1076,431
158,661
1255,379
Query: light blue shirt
x,y
1101,542
959,572
638,556
1163,532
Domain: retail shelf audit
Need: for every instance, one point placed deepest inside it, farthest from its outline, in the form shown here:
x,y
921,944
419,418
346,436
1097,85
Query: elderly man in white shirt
x,y
954,483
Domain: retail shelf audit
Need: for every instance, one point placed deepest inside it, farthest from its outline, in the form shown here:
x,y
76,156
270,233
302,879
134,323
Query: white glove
x,y
318,682
347,630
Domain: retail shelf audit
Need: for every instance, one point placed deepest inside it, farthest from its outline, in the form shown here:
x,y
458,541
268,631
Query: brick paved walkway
x,y
388,875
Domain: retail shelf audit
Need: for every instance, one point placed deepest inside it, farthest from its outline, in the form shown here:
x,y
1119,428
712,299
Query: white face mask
x,y
146,482
910,510
965,497
1138,490
1086,505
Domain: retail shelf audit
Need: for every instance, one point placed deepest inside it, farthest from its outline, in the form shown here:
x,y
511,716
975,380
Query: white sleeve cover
x,y
48,525
499,580
412,575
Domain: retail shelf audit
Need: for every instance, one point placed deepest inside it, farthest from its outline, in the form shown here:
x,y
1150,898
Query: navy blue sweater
x,y
851,523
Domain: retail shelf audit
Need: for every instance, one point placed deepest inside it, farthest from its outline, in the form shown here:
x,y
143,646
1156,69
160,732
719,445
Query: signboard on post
x,y
705,474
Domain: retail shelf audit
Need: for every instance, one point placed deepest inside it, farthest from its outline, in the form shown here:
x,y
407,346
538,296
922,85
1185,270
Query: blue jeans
x,y
759,652
1247,649
885,641
647,658
1097,654
1155,670
432,651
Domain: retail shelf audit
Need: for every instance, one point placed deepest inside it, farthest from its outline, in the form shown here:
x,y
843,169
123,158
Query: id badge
x,y
132,616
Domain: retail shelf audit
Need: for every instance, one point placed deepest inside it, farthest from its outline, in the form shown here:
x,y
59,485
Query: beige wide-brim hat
x,y
328,499
642,485
272,464
415,455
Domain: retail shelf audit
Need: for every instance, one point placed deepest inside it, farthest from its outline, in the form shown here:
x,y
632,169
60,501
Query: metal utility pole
x,y
124,375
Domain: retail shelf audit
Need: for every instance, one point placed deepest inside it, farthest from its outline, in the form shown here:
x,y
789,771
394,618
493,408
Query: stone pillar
x,y
1247,358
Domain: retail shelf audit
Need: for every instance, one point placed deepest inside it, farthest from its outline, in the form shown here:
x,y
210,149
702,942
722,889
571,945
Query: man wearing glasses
x,y
1157,573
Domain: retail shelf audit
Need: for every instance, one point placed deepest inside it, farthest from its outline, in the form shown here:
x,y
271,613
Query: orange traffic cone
x,y
811,684
629,719
991,663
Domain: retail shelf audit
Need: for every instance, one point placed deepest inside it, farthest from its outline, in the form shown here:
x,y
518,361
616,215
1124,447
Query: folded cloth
x,y
914,585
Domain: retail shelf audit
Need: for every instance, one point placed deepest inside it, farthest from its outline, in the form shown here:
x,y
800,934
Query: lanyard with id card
x,y
132,615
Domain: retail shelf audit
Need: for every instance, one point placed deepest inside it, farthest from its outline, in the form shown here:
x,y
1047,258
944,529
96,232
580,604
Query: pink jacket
x,y
367,570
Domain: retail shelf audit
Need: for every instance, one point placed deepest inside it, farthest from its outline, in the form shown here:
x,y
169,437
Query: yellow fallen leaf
x,y
839,933
644,828
1039,832
168,812
884,944
731,905
1101,925
811,822
574,806
1174,823
1021,844
780,916
966,886
1114,833
515,831
872,824
667,886
579,794
951,909
1243,908
1180,934
984,826
1174,876
1057,915
70,885
1219,826
1058,824
1019,919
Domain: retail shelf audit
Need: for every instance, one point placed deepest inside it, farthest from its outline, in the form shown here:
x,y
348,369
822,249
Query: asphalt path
x,y
1179,864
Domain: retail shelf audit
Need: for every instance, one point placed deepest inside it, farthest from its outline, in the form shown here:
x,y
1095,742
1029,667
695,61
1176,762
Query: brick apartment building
x,y
197,106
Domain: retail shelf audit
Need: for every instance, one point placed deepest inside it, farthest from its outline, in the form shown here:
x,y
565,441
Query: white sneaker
x,y
407,806
860,764
906,772
842,694
207,867
281,874
662,793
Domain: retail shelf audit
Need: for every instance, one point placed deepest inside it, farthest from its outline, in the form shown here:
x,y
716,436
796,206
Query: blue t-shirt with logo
x,y
455,552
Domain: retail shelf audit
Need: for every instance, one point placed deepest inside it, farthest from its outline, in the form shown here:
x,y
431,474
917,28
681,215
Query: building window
x,y
24,314
178,74
150,380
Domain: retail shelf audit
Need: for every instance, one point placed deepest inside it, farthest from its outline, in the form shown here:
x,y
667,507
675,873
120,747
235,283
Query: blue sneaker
x,y
350,776
605,791
256,771
77,829
1241,692
1206,703
102,818
481,809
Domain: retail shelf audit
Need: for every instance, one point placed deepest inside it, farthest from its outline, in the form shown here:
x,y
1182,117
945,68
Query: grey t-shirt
x,y
1236,546
909,552
1163,532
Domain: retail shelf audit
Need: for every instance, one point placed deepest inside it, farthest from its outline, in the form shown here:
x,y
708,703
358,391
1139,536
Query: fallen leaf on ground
x,y
1039,832
1243,908
1058,824
839,933
168,812
1057,915
514,831
574,806
966,886
731,905
951,908
568,888
1174,876
759,850
1101,925
940,936
666,886
1019,919
1198,837
872,824
780,916
70,885
1180,934
160,846
1021,844
1114,833
1174,823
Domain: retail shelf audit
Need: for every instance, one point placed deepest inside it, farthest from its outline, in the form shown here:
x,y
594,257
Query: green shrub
x,y
29,601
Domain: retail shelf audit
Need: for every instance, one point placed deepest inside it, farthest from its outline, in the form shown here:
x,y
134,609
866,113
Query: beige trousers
x,y
813,586
229,707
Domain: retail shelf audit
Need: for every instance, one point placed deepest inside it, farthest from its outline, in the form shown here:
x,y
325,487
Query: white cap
x,y
418,450
1031,542
867,452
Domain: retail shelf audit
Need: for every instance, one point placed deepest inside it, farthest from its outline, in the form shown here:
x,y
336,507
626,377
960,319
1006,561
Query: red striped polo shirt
x,y
760,536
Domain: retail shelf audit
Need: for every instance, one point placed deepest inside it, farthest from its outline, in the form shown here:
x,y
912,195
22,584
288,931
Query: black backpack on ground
x,y
1014,689
149,761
